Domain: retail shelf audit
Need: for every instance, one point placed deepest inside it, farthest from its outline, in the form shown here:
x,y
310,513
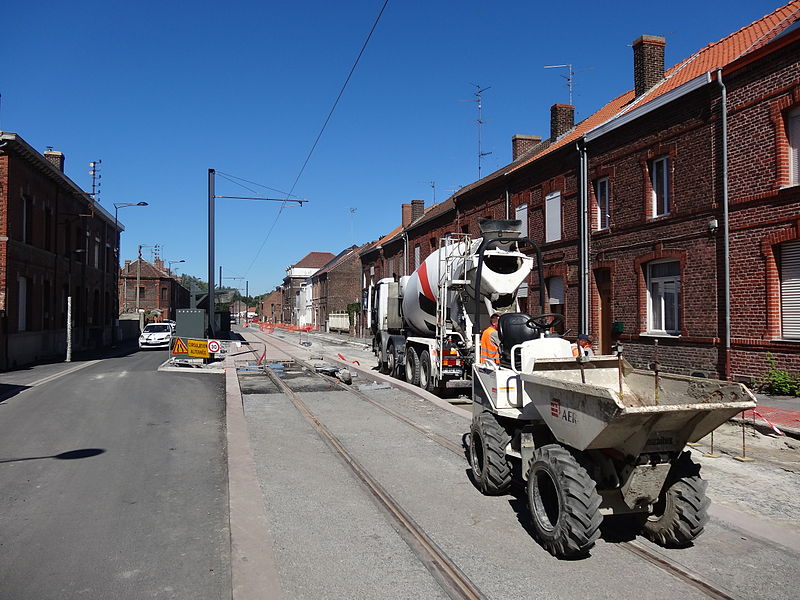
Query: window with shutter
x,y
552,210
794,146
522,215
790,290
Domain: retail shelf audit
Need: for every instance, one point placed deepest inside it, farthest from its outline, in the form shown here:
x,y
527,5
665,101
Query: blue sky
x,y
163,91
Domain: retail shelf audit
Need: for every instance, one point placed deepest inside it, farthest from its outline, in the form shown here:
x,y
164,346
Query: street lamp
x,y
171,262
117,206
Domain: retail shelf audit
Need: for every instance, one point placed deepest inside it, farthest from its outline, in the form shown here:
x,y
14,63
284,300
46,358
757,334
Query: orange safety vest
x,y
488,350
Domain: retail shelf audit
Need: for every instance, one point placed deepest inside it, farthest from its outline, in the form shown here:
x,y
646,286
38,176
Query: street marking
x,y
49,378
122,374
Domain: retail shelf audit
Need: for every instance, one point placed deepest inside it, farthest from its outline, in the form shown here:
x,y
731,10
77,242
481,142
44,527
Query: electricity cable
x,y
322,130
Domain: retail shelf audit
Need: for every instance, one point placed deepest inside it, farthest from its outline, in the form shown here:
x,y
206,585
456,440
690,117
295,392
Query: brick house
x,y
56,244
295,296
336,285
160,293
640,208
270,307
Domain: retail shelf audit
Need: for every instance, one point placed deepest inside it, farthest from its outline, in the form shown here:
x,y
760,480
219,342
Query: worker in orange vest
x,y
583,346
490,341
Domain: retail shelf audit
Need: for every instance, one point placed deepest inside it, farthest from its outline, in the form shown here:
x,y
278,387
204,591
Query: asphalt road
x,y
113,484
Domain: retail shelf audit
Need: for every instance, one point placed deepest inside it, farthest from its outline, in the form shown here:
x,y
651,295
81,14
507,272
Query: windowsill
x,y
785,341
659,334
787,186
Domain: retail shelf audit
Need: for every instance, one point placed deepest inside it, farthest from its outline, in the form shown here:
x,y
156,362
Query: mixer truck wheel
x,y
564,502
391,362
487,451
425,369
412,366
681,512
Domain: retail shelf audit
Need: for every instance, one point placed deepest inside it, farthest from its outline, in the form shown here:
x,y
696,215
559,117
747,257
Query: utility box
x,y
191,323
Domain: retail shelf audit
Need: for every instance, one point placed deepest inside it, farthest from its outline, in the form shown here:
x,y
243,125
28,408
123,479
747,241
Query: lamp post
x,y
171,262
117,206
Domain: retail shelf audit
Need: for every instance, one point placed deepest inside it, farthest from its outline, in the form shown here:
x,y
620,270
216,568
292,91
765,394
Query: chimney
x,y
648,62
406,215
127,264
520,144
159,264
55,158
562,119
417,209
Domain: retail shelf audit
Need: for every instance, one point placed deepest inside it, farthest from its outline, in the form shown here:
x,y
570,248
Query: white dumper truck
x,y
589,436
421,324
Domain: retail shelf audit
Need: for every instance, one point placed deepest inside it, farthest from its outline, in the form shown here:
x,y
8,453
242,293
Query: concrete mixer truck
x,y
422,324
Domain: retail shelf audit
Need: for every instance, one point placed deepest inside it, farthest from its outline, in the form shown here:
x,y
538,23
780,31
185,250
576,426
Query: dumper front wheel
x,y
681,512
490,465
564,503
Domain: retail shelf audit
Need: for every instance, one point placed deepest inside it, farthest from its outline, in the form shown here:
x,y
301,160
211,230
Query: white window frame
x,y
602,206
552,217
521,214
417,261
793,131
658,287
659,180
790,290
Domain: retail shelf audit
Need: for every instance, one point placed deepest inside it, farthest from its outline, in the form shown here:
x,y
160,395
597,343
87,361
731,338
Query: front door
x,y
602,278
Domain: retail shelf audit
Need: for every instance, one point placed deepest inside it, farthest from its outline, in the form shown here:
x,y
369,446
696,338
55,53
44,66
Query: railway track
x,y
452,580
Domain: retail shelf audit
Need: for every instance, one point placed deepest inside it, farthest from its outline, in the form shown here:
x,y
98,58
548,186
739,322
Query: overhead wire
x,y
230,178
319,136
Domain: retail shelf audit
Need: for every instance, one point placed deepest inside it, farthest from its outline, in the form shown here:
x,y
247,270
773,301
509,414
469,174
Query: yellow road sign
x,y
179,347
198,348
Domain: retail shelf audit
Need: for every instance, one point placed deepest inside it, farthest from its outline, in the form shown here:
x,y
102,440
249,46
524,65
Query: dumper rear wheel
x,y
681,512
564,502
490,465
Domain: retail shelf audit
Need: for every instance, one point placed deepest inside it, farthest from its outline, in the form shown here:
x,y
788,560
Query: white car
x,y
156,335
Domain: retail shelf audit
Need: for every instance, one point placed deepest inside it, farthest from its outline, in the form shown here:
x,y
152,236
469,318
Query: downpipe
x,y
726,257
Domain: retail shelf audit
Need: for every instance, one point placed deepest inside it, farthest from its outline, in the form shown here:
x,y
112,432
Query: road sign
x,y
213,346
179,346
197,348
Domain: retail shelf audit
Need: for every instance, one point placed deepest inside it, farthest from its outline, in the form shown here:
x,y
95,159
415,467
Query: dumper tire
x,y
487,450
681,512
412,366
564,503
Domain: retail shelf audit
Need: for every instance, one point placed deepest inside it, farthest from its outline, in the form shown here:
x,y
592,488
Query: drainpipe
x,y
405,253
726,256
583,240
508,206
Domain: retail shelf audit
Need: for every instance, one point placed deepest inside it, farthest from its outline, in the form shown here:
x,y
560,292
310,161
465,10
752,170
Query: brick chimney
x,y
562,119
159,264
55,158
417,209
127,264
520,144
648,62
406,215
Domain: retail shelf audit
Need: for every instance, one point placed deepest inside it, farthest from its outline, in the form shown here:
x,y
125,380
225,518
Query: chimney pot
x,y
648,62
562,119
55,158
521,144
417,209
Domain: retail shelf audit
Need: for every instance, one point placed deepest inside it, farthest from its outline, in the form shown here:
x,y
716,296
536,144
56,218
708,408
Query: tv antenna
x,y
479,103
570,76
433,187
94,171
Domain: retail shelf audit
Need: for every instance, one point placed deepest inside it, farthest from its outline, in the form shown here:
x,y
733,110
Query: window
x,y
555,295
552,211
142,294
790,290
793,127
416,256
603,206
663,297
22,304
27,220
659,179
522,215
372,273
163,293
391,267
434,246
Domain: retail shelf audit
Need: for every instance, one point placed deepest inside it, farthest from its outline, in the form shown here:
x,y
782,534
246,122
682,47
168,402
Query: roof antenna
x,y
479,103
570,77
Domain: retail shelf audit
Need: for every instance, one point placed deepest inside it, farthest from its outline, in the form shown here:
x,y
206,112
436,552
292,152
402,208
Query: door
x,y
602,279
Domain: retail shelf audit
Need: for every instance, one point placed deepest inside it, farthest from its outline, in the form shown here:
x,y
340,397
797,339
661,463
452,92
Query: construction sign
x,y
198,348
179,346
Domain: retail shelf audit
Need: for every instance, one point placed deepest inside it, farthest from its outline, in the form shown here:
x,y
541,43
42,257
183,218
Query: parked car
x,y
156,335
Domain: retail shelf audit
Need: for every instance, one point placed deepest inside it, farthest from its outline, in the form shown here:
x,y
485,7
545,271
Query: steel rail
x,y
452,580
635,548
